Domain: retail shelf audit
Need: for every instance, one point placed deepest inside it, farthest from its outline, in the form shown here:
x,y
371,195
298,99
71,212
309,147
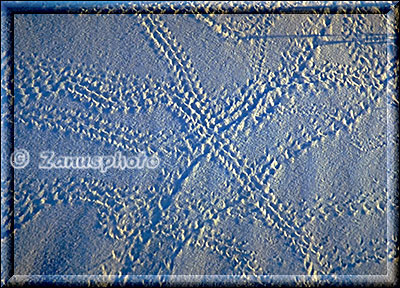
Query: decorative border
x,y
9,8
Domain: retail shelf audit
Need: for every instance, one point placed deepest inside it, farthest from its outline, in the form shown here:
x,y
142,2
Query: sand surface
x,y
271,132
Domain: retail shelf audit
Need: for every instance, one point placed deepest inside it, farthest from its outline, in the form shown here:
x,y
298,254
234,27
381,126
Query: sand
x,y
271,130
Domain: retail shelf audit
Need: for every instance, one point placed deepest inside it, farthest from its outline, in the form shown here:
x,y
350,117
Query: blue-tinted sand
x,y
271,131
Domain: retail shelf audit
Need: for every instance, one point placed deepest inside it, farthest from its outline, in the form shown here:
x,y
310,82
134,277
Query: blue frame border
x,y
9,8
